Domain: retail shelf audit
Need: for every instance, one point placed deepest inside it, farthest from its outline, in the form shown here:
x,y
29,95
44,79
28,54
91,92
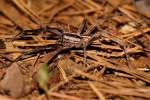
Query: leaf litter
x,y
74,49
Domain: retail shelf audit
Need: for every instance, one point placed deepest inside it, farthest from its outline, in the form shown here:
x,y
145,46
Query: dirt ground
x,y
74,49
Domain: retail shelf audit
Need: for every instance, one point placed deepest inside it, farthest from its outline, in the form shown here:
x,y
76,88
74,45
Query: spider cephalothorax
x,y
70,38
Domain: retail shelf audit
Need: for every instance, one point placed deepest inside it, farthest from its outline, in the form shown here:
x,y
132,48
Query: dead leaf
x,y
13,82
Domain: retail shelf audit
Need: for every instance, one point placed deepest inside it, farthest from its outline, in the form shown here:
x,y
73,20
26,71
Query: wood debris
x,y
89,49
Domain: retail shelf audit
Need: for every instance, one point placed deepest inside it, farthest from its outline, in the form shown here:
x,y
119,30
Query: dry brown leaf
x,y
13,82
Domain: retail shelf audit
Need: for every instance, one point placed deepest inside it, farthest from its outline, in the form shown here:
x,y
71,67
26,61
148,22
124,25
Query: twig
x,y
61,96
63,73
59,10
99,94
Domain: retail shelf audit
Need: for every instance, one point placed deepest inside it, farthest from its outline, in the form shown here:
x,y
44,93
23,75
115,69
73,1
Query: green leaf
x,y
43,77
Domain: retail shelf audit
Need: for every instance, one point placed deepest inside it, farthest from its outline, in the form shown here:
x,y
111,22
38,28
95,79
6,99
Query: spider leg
x,y
24,32
38,30
32,53
82,27
54,31
90,30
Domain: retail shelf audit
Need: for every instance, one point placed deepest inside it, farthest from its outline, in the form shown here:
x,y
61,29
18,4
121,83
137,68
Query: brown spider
x,y
67,40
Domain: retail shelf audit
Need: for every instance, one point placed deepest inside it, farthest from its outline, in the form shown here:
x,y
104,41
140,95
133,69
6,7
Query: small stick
x,y
94,88
85,53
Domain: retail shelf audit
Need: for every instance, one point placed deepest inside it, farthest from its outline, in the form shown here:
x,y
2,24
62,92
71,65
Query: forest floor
x,y
74,50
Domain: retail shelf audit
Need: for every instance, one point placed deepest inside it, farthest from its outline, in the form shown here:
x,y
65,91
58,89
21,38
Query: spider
x,y
67,40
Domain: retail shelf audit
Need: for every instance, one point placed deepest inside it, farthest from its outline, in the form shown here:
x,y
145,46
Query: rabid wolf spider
x,y
67,40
